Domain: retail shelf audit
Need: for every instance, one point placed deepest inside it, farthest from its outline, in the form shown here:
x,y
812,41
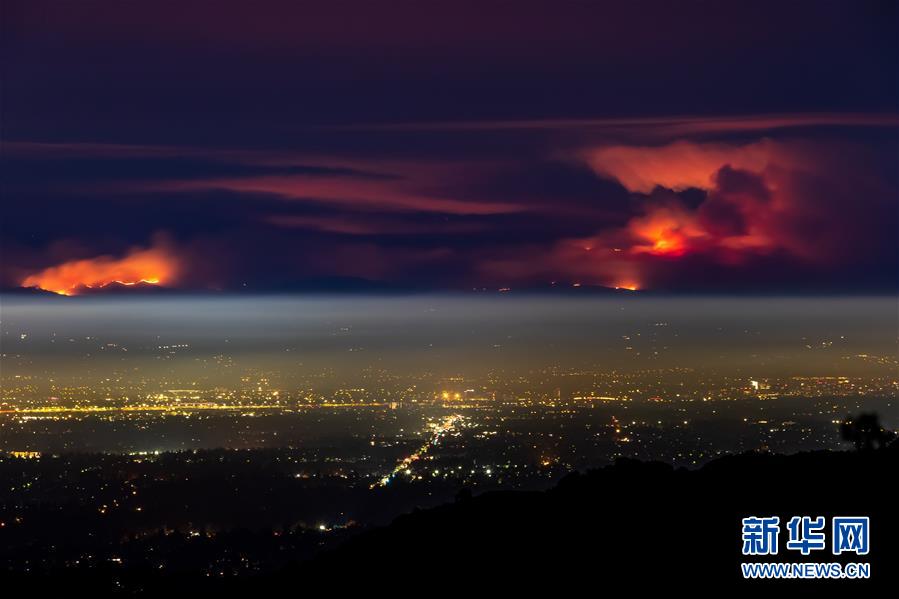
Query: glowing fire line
x,y
142,266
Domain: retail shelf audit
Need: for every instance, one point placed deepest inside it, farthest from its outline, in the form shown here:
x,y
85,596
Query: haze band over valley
x,y
460,388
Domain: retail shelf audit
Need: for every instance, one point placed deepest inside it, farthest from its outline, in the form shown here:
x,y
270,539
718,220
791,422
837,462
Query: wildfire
x,y
152,266
665,231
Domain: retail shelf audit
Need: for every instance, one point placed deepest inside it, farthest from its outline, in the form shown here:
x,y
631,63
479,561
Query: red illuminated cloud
x,y
155,265
765,201
683,164
386,194
364,184
368,224
734,223
655,128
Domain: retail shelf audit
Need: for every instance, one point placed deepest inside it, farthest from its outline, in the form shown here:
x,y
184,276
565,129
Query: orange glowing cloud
x,y
741,216
733,223
153,266
682,164
756,211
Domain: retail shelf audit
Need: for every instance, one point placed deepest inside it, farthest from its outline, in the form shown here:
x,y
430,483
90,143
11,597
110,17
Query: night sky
x,y
674,146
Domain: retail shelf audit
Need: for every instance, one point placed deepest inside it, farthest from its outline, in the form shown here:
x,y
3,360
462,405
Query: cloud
x,y
366,184
683,164
371,225
380,195
766,209
663,126
690,212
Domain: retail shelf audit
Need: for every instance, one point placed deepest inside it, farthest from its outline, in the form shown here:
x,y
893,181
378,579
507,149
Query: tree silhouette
x,y
865,431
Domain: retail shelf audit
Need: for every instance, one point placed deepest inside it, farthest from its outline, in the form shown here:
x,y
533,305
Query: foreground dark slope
x,y
633,525
644,524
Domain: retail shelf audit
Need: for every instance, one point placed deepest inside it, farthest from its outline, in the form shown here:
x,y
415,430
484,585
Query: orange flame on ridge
x,y
152,266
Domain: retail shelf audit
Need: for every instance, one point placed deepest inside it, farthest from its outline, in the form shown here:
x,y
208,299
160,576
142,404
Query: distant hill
x,y
569,288
330,285
114,288
27,291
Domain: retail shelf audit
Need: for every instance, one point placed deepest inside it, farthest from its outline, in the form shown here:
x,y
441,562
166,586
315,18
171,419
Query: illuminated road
x,y
438,430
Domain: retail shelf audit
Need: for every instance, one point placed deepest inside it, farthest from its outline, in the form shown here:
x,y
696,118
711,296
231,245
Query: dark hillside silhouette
x,y
632,525
637,523
866,432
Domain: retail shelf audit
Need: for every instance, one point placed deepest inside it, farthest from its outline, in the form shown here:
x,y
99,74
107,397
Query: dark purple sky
x,y
712,146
